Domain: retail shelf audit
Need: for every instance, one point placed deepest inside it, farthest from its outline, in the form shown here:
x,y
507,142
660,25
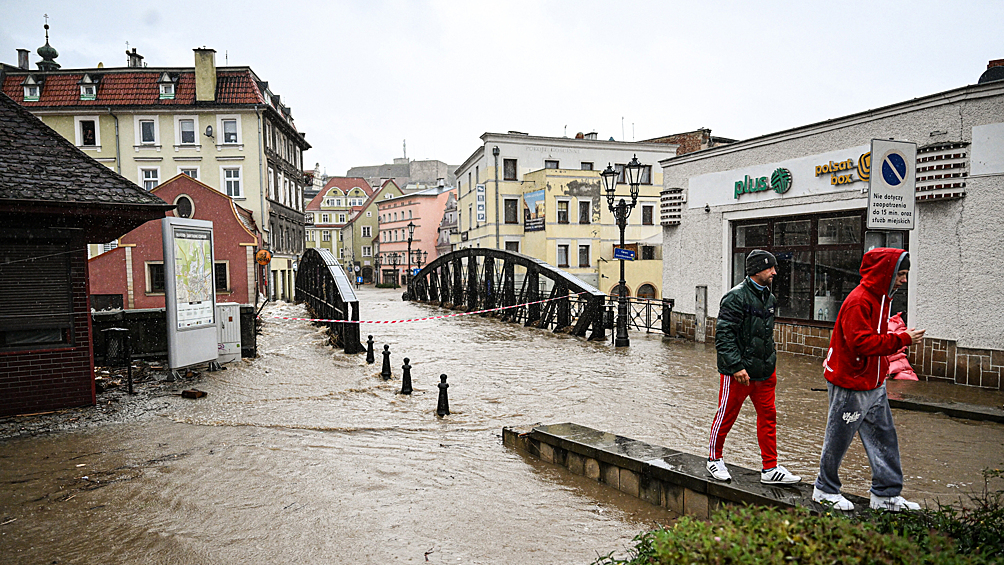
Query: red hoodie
x,y
861,340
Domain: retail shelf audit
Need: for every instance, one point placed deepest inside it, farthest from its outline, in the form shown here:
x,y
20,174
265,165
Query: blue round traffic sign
x,y
894,169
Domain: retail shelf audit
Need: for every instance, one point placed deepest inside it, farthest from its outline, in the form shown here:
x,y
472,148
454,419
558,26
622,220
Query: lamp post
x,y
395,260
621,211
495,153
407,275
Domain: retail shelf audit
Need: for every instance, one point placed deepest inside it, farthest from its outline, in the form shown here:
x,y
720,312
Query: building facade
x,y
222,126
424,210
132,274
803,193
545,192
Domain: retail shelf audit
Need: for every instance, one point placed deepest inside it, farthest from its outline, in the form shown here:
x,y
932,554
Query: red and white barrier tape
x,y
421,319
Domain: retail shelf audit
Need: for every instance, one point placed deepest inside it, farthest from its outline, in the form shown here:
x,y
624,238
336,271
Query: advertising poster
x,y
533,211
193,277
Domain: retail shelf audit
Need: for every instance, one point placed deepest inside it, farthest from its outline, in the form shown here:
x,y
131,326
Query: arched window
x,y
615,291
646,291
185,207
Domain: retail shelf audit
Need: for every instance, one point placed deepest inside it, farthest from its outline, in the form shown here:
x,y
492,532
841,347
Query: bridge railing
x,y
321,282
646,314
540,295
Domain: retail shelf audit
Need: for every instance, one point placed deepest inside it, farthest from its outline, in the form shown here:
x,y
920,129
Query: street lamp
x,y
376,266
621,211
395,260
407,275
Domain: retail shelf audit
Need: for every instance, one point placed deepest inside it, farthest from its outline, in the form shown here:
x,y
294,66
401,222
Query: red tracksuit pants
x,y
731,396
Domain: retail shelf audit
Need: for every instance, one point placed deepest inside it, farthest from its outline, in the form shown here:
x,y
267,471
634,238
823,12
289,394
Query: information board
x,y
892,200
189,291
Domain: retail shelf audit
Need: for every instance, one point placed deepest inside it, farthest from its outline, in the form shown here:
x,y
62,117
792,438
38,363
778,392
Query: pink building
x,y
424,209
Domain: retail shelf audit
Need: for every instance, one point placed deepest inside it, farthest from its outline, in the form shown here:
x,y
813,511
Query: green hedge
x,y
971,533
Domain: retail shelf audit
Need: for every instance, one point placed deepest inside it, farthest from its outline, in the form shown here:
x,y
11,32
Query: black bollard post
x,y
370,358
443,409
385,371
406,377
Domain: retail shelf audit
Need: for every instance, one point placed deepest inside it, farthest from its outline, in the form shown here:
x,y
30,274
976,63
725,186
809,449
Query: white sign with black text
x,y
892,192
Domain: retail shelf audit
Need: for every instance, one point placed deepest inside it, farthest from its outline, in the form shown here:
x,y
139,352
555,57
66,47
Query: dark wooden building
x,y
54,200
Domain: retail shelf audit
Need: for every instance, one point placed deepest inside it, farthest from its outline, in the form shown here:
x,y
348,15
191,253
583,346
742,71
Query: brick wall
x,y
933,360
50,379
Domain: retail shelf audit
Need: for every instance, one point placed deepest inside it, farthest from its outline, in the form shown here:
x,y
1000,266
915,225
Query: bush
x,y
972,533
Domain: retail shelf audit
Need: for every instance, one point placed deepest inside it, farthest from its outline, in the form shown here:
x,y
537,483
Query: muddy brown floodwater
x,y
305,455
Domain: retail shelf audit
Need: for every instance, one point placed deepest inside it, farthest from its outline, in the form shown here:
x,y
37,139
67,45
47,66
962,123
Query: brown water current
x,y
305,455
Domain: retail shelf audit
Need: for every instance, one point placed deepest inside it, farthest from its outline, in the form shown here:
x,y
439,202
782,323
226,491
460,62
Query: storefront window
x,y
818,260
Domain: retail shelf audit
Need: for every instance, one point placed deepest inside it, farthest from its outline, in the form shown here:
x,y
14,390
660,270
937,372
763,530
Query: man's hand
x,y
743,378
915,335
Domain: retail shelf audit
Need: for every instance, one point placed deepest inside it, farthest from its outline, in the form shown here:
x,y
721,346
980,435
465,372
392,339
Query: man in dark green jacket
x,y
744,339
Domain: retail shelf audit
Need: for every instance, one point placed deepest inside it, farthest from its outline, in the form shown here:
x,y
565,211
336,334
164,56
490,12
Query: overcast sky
x,y
362,76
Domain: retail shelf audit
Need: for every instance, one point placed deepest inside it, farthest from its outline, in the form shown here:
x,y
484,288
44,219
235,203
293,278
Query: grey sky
x,y
363,76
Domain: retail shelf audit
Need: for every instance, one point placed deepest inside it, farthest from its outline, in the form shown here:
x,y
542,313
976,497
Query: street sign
x,y
621,253
415,271
359,280
482,217
892,192
263,257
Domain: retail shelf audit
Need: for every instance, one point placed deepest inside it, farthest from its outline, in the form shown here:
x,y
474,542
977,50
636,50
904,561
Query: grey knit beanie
x,y
759,260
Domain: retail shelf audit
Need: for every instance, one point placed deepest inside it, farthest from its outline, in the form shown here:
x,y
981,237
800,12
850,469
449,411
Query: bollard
x,y
385,371
443,409
406,377
370,358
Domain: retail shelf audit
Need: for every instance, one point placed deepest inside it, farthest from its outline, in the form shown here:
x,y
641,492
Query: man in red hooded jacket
x,y
855,370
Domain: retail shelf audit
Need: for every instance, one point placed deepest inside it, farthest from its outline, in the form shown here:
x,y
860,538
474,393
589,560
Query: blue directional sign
x,y
415,271
626,254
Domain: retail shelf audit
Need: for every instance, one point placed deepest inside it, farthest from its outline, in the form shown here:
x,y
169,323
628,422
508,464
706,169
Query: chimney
x,y
22,59
205,75
135,59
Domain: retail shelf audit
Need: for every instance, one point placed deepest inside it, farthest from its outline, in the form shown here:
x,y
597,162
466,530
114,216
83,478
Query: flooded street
x,y
305,455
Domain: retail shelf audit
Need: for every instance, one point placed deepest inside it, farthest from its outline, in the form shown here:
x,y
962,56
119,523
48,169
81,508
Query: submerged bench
x,y
661,476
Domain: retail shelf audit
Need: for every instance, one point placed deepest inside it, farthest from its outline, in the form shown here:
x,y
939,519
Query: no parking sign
x,y
892,198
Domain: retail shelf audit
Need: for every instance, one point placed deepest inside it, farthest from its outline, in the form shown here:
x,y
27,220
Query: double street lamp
x,y
407,276
621,211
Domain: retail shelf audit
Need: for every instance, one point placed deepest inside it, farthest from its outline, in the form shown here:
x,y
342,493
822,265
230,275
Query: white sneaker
x,y
718,470
778,476
893,503
837,500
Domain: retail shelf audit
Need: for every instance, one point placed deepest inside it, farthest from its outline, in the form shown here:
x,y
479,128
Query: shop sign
x,y
892,196
779,182
842,172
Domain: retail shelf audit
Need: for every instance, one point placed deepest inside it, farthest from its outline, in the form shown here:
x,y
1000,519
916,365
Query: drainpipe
x,y
261,189
495,152
118,157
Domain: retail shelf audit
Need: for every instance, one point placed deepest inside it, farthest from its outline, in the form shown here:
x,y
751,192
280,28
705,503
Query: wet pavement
x,y
306,455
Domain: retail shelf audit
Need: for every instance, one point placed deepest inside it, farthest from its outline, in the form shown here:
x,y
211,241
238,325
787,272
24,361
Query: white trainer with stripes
x,y
778,476
718,470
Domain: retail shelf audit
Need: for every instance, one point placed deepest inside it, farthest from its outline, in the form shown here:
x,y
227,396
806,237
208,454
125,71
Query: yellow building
x,y
544,199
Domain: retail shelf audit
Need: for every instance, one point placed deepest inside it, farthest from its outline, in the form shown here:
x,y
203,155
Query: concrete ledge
x,y
953,409
661,476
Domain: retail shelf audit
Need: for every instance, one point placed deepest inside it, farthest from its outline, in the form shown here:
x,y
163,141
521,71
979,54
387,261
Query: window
x,y
310,218
583,256
185,208
646,291
167,90
367,251
155,278
149,178
87,131
818,260
586,166
147,132
271,184
646,174
511,207
229,127
647,211
186,129
325,218
341,252
512,246
220,276
35,313
310,235
395,216
88,92
341,218
648,252
508,169
562,255
369,214
31,92
548,164
367,231
562,211
585,211
232,181
325,235
192,172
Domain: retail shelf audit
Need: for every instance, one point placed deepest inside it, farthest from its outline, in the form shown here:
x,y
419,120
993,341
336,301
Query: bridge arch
x,y
482,279
322,283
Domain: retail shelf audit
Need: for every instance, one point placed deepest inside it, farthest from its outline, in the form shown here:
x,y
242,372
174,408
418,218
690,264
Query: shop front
x,y
802,194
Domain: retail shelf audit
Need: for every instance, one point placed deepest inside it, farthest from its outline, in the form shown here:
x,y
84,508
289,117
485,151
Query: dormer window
x,y
88,87
166,85
31,93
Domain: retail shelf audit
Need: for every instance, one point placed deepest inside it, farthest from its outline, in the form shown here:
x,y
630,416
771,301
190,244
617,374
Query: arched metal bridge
x,y
323,285
476,279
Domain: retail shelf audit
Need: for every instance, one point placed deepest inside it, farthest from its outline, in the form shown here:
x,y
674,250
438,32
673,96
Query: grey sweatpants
x,y
866,413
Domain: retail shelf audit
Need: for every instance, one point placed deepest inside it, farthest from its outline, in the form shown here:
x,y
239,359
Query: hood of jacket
x,y
878,269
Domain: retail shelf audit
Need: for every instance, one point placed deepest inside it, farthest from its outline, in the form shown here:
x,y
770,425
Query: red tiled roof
x,y
133,88
347,183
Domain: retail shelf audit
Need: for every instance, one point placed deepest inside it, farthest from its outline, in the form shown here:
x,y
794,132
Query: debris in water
x,y
192,393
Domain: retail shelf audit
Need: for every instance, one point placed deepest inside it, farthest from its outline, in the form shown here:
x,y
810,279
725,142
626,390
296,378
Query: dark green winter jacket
x,y
744,334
